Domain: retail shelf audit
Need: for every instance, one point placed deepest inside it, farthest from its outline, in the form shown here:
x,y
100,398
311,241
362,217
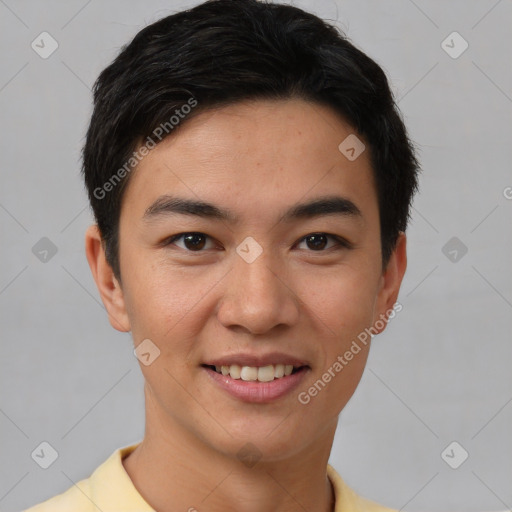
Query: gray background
x,y
439,373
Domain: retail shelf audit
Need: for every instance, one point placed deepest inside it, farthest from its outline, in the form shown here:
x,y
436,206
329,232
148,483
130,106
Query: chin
x,y
268,440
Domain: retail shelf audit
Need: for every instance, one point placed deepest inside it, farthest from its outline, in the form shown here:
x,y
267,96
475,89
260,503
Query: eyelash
x,y
342,243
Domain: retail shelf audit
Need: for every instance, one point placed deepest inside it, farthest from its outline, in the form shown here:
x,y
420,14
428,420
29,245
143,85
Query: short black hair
x,y
226,51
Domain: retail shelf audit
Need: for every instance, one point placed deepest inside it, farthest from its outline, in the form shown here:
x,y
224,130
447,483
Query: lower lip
x,y
255,391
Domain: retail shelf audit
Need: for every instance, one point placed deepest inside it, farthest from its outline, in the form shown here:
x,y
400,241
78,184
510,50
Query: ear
x,y
108,286
390,282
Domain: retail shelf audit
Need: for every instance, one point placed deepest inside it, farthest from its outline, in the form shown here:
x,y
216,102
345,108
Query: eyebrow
x,y
328,205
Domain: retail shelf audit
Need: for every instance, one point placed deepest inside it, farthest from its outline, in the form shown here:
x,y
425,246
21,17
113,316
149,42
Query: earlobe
x,y
109,288
391,281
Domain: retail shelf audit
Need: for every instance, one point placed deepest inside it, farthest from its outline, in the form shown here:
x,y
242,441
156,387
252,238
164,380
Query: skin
x,y
256,158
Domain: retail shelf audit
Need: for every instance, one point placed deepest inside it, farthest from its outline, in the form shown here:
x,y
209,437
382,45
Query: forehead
x,y
253,153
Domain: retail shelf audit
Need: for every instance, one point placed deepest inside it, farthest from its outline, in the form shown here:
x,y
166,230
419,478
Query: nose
x,y
258,296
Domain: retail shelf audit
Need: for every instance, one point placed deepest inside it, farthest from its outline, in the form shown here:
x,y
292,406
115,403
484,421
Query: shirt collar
x,y
112,475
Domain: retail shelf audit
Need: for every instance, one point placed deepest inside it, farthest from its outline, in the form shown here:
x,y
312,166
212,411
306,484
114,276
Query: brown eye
x,y
318,241
193,242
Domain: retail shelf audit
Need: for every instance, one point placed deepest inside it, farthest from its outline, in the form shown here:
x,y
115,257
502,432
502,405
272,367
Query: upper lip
x,y
256,360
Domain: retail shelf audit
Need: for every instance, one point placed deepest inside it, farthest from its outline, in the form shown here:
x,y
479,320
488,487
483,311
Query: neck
x,y
174,470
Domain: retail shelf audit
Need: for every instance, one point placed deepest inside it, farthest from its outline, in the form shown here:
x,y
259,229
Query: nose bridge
x,y
256,297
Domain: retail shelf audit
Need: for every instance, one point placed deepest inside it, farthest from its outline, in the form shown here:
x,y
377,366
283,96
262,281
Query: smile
x,y
259,384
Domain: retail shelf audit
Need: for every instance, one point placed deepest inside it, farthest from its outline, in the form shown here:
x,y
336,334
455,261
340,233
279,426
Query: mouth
x,y
256,384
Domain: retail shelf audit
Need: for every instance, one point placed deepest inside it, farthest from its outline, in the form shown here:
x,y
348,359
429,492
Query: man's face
x,y
211,297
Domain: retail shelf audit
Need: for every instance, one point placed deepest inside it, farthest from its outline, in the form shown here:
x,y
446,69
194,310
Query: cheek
x,y
343,301
167,305
345,308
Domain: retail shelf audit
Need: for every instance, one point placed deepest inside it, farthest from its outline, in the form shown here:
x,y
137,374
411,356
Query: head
x,y
245,106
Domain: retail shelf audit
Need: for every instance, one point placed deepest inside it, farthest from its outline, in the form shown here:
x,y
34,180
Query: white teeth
x,y
266,373
249,373
252,373
234,371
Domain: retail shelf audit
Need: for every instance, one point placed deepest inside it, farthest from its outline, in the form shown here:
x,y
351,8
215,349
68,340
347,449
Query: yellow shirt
x,y
109,489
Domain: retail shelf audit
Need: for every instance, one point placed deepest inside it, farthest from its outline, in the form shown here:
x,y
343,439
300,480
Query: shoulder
x,y
75,498
109,488
348,500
